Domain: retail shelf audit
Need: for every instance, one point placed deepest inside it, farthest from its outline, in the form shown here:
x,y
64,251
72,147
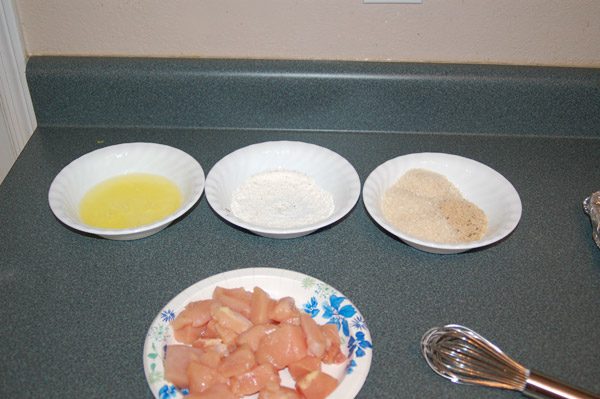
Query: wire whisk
x,y
461,355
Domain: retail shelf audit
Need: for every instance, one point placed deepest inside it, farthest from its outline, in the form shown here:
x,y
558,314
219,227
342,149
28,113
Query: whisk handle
x,y
539,386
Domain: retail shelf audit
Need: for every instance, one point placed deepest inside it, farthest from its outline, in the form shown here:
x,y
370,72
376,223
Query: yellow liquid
x,y
130,200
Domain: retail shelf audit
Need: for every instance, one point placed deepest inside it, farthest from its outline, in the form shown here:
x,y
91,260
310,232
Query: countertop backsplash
x,y
315,95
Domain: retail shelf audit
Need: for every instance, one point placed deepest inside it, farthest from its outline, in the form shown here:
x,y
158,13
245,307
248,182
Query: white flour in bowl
x,y
281,199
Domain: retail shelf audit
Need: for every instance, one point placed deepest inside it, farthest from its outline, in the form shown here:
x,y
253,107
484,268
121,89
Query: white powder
x,y
281,199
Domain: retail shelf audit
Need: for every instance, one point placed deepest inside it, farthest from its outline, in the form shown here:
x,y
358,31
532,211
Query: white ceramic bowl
x,y
78,177
478,183
330,171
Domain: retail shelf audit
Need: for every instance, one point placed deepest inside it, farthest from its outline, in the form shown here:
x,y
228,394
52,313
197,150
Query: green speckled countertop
x,y
76,309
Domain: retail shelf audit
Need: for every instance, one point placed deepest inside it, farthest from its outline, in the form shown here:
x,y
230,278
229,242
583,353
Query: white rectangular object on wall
x,y
392,1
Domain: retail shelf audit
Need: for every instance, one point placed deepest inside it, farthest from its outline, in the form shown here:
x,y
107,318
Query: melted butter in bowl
x,y
129,201
126,191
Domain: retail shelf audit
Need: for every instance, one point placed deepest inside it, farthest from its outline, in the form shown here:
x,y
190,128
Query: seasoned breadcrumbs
x,y
427,206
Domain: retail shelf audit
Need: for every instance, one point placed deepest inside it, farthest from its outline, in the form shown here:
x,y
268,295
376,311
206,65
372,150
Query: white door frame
x,y
17,119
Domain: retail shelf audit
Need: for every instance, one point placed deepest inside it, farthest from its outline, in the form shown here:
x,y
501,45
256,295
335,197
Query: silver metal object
x,y
461,355
591,205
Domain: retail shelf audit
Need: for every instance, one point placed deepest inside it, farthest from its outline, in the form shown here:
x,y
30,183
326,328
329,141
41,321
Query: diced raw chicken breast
x,y
333,353
227,336
195,313
315,340
202,377
208,330
238,293
177,359
200,312
316,385
183,319
217,391
284,309
239,342
295,320
203,343
254,335
238,362
283,346
235,298
300,368
258,378
231,319
187,334
210,358
214,344
279,393
259,306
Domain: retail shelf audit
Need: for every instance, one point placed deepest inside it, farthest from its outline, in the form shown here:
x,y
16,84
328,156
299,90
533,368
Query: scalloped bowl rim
x,y
338,213
374,210
136,232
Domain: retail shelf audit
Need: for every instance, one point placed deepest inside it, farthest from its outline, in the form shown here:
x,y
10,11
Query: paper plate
x,y
324,303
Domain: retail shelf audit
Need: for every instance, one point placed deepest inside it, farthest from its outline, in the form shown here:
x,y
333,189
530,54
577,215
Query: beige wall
x,y
546,32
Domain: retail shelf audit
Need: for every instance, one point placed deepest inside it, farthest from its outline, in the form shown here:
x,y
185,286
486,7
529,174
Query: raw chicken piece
x,y
202,377
187,334
300,368
195,313
316,385
285,309
213,344
258,378
231,319
208,330
239,293
204,343
235,298
217,391
211,358
177,359
333,353
183,319
283,346
315,340
279,393
259,306
254,335
238,362
227,336
295,320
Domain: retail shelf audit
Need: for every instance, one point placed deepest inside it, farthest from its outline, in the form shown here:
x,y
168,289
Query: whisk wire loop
x,y
471,353
463,356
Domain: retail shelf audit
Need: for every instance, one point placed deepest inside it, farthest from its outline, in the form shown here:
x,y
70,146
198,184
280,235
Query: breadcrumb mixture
x,y
428,206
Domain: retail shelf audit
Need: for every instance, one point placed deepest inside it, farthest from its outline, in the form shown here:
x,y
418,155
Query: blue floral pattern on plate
x,y
319,300
343,316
